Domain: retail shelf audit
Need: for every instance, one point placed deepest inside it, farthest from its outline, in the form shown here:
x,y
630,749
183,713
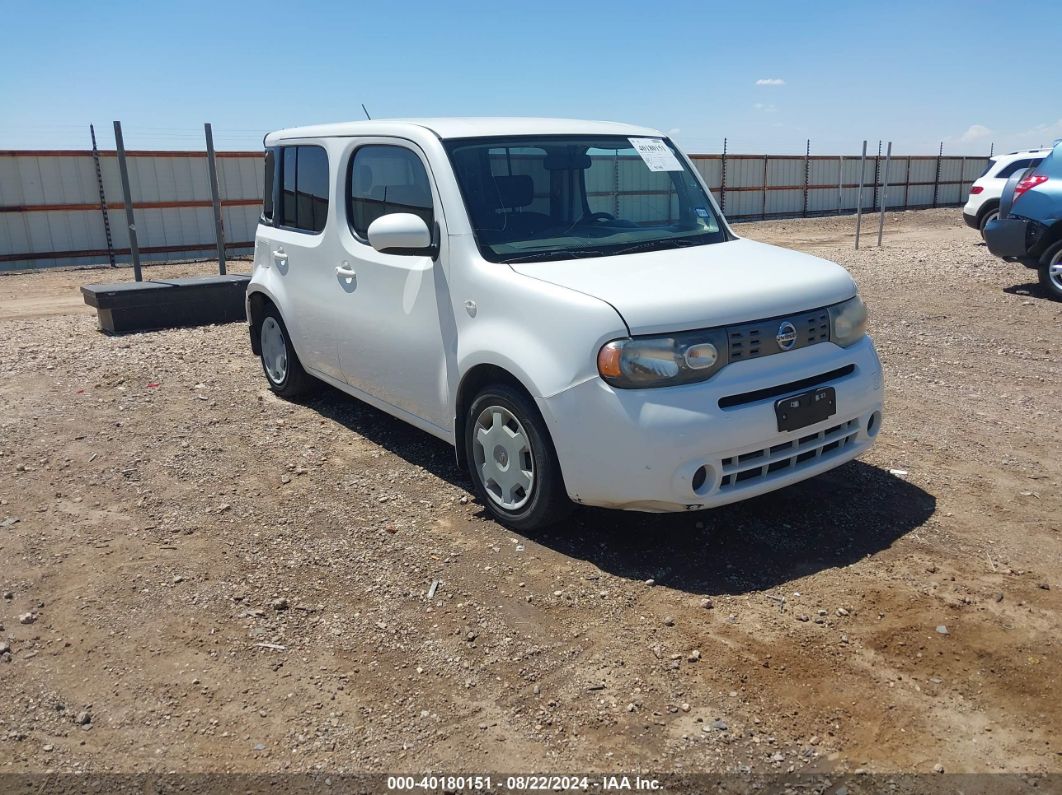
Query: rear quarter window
x,y
270,184
1018,165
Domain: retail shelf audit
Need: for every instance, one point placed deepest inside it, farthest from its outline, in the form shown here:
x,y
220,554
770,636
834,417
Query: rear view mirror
x,y
566,161
401,233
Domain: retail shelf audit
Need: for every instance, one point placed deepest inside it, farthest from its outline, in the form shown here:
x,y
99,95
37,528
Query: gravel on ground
x,y
198,576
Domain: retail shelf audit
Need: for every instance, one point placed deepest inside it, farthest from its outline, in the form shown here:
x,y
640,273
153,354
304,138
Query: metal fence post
x,y
722,187
840,183
884,193
134,246
877,176
103,197
936,179
766,160
859,195
215,195
807,173
907,184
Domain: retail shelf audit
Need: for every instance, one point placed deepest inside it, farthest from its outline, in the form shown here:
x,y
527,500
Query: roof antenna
x,y
367,116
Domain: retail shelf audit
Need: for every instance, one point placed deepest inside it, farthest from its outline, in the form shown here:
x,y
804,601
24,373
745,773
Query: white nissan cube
x,y
564,303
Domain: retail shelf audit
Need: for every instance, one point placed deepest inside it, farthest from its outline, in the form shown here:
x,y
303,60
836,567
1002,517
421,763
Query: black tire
x,y
547,502
290,381
988,216
1052,258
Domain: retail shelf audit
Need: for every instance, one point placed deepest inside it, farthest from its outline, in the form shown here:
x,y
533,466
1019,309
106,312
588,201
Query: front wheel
x,y
512,461
1051,271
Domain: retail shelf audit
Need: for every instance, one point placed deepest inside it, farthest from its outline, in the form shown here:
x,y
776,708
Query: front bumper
x,y
640,449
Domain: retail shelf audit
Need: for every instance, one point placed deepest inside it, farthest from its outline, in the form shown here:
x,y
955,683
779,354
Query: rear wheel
x,y
1051,271
280,363
512,461
991,215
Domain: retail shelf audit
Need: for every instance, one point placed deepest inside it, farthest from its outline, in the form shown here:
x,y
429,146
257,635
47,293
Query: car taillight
x,y
1027,184
975,189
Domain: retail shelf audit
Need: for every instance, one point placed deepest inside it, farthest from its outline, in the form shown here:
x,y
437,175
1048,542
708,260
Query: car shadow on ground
x,y
411,444
827,522
1030,289
830,521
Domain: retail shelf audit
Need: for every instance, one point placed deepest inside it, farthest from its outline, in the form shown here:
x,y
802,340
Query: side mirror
x,y
401,233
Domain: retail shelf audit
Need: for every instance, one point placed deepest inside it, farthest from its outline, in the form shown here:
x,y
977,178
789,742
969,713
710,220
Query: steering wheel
x,y
590,218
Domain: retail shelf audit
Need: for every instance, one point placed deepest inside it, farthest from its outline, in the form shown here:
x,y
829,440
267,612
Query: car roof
x,y
465,127
1020,154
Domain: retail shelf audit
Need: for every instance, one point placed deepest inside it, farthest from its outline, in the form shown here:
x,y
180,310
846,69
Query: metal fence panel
x,y
785,202
744,172
50,213
710,169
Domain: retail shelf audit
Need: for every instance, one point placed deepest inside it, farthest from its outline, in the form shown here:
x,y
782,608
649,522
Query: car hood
x,y
701,286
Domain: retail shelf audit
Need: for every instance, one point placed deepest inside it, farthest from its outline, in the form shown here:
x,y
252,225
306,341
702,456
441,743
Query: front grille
x,y
758,338
756,466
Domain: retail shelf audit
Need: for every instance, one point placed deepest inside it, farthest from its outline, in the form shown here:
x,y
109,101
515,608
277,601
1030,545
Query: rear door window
x,y
304,188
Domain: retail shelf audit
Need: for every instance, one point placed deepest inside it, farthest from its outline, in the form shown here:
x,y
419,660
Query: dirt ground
x,y
218,580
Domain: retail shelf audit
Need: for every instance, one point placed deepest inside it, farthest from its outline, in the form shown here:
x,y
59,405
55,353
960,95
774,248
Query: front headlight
x,y
848,322
645,362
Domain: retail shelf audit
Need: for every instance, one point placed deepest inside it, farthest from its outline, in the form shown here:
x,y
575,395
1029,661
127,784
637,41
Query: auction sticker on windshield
x,y
656,154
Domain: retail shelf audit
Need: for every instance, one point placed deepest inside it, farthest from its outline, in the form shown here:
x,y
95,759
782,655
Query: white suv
x,y
983,203
564,303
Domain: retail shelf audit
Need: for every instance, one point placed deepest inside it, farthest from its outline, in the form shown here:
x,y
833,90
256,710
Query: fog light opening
x,y
874,423
700,478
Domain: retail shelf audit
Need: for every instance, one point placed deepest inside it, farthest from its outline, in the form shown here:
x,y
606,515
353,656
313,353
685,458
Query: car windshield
x,y
554,197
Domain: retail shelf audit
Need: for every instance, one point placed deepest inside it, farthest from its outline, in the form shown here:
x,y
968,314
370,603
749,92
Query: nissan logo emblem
x,y
787,336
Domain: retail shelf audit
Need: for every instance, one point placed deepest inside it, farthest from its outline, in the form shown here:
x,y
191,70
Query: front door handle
x,y
345,272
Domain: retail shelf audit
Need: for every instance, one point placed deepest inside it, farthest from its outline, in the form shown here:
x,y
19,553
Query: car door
x,y
298,248
393,330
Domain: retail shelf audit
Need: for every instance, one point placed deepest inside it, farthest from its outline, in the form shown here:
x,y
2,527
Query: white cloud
x,y
977,137
770,81
975,132
1048,130
765,107
674,131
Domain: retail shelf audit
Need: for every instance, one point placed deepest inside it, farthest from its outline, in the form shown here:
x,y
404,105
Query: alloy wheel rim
x,y
503,457
1054,270
274,351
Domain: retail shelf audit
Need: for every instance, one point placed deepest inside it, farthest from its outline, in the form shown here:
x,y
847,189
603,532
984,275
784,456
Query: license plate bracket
x,y
805,409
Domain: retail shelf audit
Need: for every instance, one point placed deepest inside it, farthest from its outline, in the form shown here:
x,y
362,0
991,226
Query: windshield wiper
x,y
648,245
656,245
540,255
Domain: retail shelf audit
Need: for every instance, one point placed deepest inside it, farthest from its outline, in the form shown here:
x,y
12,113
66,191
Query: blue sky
x,y
767,75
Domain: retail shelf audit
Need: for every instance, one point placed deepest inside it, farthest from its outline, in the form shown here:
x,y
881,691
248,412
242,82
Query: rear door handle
x,y
279,255
345,272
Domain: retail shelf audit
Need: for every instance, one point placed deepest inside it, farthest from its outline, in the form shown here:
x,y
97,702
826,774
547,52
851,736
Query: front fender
x,y
545,335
